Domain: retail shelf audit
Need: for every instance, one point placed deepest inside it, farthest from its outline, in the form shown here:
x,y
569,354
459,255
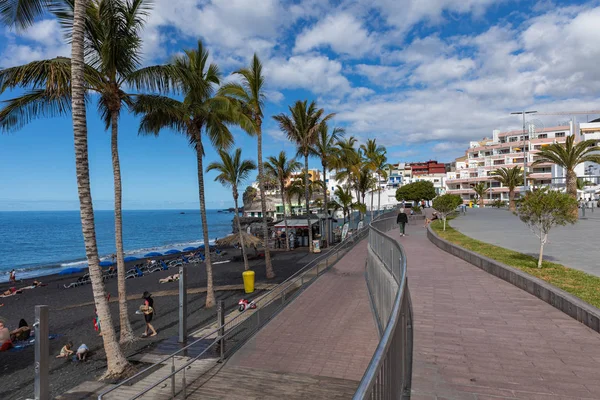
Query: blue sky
x,y
424,77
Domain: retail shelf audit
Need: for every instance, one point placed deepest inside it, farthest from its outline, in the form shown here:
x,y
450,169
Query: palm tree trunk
x,y
116,362
239,226
379,196
571,183
125,324
511,200
372,193
210,292
263,206
326,207
310,247
287,232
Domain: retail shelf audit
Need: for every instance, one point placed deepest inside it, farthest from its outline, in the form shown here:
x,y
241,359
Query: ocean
x,y
37,243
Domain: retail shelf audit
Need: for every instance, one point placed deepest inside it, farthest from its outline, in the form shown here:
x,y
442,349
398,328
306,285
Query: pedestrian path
x,y
327,331
479,337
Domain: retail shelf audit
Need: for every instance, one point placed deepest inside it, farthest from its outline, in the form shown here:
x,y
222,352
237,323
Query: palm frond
x,y
34,104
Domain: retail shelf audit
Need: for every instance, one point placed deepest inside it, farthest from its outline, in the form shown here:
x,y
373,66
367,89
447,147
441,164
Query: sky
x,y
423,77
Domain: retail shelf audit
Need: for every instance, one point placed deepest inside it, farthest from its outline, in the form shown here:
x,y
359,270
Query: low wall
x,y
565,302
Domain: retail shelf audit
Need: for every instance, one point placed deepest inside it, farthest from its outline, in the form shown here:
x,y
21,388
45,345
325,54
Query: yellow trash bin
x,y
248,281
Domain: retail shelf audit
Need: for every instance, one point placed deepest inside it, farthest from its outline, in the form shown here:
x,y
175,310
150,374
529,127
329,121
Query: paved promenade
x,y
573,246
328,330
478,337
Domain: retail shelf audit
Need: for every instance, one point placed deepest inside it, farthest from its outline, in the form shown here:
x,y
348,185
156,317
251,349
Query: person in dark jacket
x,y
402,220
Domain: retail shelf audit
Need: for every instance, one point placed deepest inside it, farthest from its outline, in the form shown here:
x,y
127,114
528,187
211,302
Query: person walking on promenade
x,y
402,220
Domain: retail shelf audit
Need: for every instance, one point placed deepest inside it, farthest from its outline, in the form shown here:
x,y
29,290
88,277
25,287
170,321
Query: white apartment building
x,y
506,149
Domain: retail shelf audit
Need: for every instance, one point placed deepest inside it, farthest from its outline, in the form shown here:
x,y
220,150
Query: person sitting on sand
x,y
82,352
170,278
13,277
22,332
5,342
65,351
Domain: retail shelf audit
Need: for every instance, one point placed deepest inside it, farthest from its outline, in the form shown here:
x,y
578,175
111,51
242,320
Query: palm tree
x,y
569,156
295,188
344,200
232,172
113,55
480,189
325,148
250,97
301,127
377,161
282,169
365,182
510,178
200,111
23,13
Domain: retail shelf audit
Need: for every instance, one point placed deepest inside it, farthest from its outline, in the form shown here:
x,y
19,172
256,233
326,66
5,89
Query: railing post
x,y
184,385
172,377
182,304
221,324
41,353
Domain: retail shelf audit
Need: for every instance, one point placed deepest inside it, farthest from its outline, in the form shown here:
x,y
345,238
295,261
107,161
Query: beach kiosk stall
x,y
300,229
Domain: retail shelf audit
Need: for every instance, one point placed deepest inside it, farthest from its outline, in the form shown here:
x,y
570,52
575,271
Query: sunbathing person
x,y
11,292
22,332
66,351
34,285
5,342
170,278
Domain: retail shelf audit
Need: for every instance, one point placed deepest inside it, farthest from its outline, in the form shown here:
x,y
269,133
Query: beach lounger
x,y
134,273
175,263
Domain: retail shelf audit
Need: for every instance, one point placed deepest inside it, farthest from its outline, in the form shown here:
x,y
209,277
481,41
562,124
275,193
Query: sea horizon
x,y
39,243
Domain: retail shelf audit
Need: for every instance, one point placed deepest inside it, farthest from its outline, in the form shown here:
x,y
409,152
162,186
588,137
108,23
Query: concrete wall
x,y
565,302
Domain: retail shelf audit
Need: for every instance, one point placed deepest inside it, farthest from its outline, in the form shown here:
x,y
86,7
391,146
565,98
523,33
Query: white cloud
x,y
343,33
383,75
318,74
442,70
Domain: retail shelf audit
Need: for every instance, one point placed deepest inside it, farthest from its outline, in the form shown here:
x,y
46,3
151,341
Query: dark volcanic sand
x,y
76,323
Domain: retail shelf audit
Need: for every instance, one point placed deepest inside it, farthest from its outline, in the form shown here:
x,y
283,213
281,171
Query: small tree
x,y
542,209
416,191
446,204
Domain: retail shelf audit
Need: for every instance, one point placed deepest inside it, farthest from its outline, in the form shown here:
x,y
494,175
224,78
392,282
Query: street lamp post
x,y
525,150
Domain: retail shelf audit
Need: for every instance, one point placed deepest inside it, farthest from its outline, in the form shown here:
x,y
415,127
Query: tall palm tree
x,y
282,169
569,156
510,178
365,182
377,161
325,149
344,200
250,97
233,171
480,189
52,95
113,56
301,127
199,112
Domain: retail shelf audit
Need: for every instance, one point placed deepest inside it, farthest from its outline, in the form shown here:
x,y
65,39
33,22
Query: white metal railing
x,y
389,374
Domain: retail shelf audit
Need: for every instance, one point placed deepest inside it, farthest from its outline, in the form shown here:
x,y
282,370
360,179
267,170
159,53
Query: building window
x,y
543,136
560,134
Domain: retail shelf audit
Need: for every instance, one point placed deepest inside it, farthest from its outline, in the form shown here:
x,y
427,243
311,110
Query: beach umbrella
x,y
200,247
189,249
131,258
153,254
70,271
106,263
172,251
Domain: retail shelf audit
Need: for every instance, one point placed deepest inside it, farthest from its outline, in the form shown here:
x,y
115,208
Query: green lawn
x,y
578,283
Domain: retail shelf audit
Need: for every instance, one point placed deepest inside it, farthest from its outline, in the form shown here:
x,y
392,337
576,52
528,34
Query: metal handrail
x,y
238,319
380,364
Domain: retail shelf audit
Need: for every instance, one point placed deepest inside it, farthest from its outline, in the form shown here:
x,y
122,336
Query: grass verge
x,y
578,283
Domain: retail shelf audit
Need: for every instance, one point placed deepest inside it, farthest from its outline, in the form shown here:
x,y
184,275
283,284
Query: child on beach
x,y
148,312
82,352
66,351
13,277
5,342
97,323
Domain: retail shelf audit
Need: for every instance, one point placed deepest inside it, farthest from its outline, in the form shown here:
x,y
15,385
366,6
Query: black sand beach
x,y
72,313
